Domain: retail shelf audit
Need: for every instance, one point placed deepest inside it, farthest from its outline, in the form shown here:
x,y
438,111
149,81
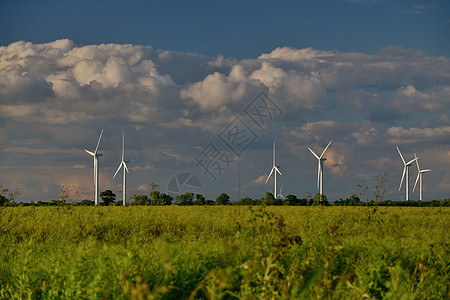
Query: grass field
x,y
224,252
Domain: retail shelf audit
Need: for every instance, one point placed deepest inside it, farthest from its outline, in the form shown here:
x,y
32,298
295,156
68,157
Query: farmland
x,y
231,252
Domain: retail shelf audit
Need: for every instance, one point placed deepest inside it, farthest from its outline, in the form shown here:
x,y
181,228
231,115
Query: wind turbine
x,y
321,159
125,168
280,194
419,174
406,170
96,155
274,167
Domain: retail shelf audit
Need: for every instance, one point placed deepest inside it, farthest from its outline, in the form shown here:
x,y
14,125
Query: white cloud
x,y
57,95
409,100
399,135
260,180
16,86
292,54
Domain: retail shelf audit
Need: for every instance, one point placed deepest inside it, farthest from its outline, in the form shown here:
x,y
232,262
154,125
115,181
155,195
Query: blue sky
x,y
175,75
235,29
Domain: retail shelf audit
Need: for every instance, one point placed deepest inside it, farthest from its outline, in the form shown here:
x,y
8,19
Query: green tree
x,y
64,196
320,199
108,197
290,200
247,201
160,199
380,187
185,199
363,192
223,199
7,197
138,198
200,200
166,199
87,203
154,197
3,200
154,186
270,200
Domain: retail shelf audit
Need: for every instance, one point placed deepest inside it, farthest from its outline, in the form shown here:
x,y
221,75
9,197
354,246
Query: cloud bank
x,y
58,95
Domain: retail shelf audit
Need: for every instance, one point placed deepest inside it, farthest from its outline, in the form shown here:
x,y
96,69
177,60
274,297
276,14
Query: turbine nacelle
x,y
320,160
96,155
274,171
123,163
406,165
419,175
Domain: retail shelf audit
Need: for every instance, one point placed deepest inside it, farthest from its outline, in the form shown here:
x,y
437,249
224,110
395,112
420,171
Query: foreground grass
x,y
224,252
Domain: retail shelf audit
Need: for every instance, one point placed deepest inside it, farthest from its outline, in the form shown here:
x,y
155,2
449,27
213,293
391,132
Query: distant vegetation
x,y
224,252
155,198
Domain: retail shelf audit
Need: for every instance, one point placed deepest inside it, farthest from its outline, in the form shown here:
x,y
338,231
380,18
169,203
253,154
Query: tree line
x,y
156,198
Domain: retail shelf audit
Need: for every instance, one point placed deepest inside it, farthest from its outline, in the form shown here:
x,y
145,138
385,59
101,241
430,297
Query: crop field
x,y
224,252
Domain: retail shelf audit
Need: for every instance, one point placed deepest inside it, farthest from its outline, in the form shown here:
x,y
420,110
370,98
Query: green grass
x,y
224,252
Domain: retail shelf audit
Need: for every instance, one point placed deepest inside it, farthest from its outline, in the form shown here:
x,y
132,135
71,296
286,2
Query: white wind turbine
x,y
125,168
96,155
419,175
321,159
281,193
274,168
405,171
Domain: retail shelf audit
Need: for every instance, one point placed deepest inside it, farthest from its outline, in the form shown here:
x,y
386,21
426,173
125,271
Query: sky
x,y
204,88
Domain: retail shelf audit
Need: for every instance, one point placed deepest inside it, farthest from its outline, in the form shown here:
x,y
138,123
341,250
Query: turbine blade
x,y
427,170
89,152
313,153
401,155
415,159
276,169
273,154
118,169
417,162
98,143
417,179
271,171
125,165
123,146
404,171
325,149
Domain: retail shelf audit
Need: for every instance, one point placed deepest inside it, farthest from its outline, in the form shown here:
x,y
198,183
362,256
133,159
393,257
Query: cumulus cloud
x,y
292,54
412,135
19,87
260,180
60,94
139,82
409,100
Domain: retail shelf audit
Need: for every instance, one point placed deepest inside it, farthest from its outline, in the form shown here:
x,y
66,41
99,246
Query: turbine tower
x,y
96,155
274,168
405,171
321,159
125,168
419,175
